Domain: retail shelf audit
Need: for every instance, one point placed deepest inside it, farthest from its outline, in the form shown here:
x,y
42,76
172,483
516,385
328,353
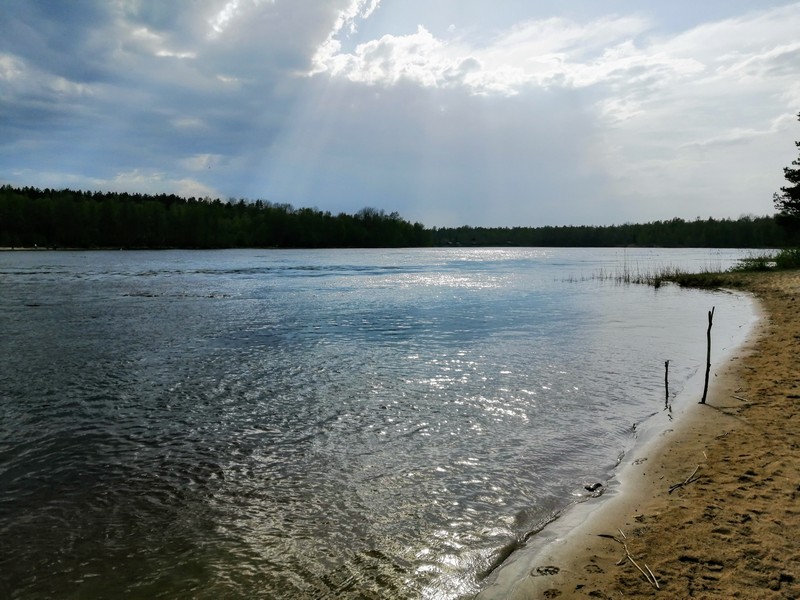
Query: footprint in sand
x,y
544,571
593,569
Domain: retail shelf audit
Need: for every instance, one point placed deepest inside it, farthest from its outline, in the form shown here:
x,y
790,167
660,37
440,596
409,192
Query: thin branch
x,y
648,575
691,478
692,475
655,581
635,564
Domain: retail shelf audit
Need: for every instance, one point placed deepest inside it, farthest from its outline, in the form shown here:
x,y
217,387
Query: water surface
x,y
319,424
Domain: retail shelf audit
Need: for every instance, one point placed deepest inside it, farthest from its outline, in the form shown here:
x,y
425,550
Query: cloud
x,y
743,136
155,182
452,158
219,22
419,58
135,181
618,52
198,162
656,100
548,53
144,75
517,113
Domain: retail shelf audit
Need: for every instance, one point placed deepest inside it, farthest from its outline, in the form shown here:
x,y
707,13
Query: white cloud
x,y
199,162
419,58
136,180
149,181
739,135
11,68
779,60
173,54
142,39
547,53
671,112
190,188
723,79
348,17
19,79
231,10
345,20
619,52
221,19
184,122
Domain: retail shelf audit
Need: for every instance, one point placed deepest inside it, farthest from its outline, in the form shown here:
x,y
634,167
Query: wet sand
x,y
732,530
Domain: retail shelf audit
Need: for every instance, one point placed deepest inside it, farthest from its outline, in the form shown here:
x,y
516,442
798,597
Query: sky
x,y
450,112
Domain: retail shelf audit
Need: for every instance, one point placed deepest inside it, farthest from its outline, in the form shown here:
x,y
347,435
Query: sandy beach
x,y
711,508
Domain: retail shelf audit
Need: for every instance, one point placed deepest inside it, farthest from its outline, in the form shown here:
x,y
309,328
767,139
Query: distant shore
x,y
730,531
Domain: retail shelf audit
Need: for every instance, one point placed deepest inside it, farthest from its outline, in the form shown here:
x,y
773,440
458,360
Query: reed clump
x,y
710,277
655,277
788,258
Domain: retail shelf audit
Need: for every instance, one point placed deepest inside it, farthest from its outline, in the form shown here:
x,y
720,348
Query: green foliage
x,y
787,203
708,280
68,219
75,219
788,258
746,232
755,263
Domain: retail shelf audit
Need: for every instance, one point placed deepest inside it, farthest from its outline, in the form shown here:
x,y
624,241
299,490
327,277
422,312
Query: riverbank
x,y
730,530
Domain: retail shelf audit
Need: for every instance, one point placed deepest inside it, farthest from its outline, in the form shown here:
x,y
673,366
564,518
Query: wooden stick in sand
x,y
708,353
648,575
686,481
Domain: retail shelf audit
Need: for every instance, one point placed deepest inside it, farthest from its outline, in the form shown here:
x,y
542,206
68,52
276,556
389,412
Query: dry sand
x,y
733,531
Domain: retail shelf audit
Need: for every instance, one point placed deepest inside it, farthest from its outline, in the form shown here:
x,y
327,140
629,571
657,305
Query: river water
x,y
320,424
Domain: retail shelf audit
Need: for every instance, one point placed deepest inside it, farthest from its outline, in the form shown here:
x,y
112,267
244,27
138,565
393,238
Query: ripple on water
x,y
311,424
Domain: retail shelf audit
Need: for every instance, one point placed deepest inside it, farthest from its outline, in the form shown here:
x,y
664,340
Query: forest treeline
x,y
745,232
74,219
77,219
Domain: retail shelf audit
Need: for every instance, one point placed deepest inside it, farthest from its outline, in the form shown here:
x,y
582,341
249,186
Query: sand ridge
x,y
733,529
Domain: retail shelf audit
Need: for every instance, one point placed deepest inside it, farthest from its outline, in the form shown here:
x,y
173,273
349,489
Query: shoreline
x,y
725,533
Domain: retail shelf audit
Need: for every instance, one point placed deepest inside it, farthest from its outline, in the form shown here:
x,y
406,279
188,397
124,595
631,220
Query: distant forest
x,y
48,218
745,232
69,219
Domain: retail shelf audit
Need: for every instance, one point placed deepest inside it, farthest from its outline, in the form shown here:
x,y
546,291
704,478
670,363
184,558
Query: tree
x,y
787,203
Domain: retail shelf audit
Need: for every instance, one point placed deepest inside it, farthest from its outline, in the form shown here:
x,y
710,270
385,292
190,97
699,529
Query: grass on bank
x,y
710,278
